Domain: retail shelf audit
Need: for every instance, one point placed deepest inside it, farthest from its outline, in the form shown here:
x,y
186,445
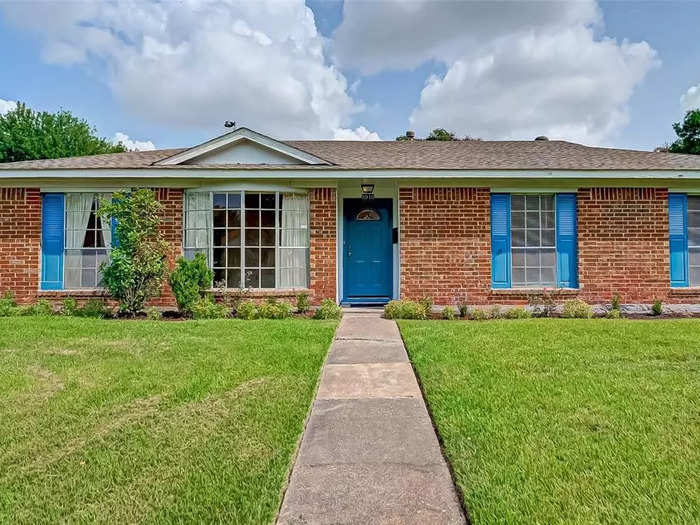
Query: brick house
x,y
480,222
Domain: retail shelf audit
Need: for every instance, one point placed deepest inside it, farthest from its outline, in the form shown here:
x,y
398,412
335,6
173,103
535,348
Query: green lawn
x,y
567,421
159,422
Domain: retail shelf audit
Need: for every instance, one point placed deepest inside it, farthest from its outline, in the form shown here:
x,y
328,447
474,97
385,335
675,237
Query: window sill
x,y
530,291
261,292
686,291
80,292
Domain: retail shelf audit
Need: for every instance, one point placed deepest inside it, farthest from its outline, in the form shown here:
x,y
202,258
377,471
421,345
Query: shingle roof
x,y
410,155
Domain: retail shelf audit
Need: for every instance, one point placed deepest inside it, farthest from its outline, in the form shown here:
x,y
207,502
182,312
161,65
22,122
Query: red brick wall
x,y
623,244
171,228
322,248
445,244
20,242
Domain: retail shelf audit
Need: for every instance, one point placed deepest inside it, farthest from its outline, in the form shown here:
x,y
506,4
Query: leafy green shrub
x,y
448,313
137,261
406,310
328,310
43,307
303,303
207,308
247,310
463,310
614,314
657,308
615,302
70,307
577,309
190,281
517,312
495,312
95,308
273,309
478,314
8,305
154,314
427,303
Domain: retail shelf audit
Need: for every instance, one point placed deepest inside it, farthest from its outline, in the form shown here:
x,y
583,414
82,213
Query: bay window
x,y
252,239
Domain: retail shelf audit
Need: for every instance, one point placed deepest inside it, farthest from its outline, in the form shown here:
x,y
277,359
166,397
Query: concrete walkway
x,y
369,453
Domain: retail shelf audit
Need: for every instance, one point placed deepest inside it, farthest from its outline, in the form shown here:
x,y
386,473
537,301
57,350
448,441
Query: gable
x,y
243,152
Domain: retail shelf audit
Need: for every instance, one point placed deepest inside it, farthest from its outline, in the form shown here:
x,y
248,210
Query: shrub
x,y
247,310
95,308
615,302
657,308
70,307
517,312
543,303
303,303
137,261
614,314
478,314
448,313
190,281
495,312
328,310
207,308
273,309
406,310
427,303
43,307
577,309
8,305
463,310
154,314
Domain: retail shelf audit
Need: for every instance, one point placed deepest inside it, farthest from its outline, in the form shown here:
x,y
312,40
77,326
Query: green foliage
x,y
543,303
8,305
441,134
495,312
94,308
247,310
427,303
272,309
614,314
577,309
517,312
137,264
406,310
154,314
615,302
70,306
190,281
688,134
27,135
43,307
303,303
448,313
463,310
328,310
478,314
207,308
657,308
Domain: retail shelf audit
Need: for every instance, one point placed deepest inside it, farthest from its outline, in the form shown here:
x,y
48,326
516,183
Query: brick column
x,y
171,218
322,248
445,244
20,242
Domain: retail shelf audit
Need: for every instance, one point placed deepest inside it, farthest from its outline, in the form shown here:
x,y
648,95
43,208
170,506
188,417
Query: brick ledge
x,y
691,291
535,291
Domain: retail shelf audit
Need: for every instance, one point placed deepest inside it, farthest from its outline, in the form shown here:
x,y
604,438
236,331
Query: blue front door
x,y
367,251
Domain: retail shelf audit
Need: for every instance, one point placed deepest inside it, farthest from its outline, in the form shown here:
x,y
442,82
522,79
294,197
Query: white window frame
x,y
525,249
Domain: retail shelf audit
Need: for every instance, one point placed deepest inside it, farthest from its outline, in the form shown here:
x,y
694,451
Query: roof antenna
x,y
230,124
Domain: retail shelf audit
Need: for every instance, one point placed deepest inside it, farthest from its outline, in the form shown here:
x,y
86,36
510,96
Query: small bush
x,y
43,307
448,313
478,314
406,310
247,310
615,302
207,308
303,303
154,314
577,309
328,310
463,310
95,308
657,308
614,314
274,310
8,305
190,281
70,307
517,312
543,303
495,312
427,303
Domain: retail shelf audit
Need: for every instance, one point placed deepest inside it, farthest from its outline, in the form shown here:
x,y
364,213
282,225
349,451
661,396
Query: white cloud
x,y
689,100
6,106
197,63
133,145
514,69
361,133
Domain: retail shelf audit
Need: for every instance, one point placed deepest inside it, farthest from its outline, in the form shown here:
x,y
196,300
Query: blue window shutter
x,y
678,238
52,217
567,241
500,240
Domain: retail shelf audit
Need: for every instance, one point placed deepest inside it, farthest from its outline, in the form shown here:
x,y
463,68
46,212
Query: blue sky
x,y
351,71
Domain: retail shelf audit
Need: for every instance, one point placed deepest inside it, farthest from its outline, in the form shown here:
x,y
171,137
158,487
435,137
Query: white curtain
x,y
294,241
198,223
78,208
106,222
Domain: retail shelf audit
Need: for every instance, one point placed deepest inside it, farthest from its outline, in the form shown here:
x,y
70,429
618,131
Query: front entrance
x,y
367,251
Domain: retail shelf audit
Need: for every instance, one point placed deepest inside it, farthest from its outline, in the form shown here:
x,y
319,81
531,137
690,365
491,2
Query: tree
x,y
688,134
137,260
26,134
441,134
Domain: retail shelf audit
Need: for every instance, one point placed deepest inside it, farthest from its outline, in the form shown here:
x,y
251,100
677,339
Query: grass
x,y
152,422
566,421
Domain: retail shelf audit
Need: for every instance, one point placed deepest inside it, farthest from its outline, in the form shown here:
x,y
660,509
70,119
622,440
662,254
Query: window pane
x,y
547,202
548,276
267,219
88,278
547,237
532,202
533,220
252,279
548,219
533,238
233,258
234,278
268,201
219,277
219,219
252,257
252,237
219,257
220,237
548,258
234,218
219,200
252,218
234,237
517,202
267,237
518,258
252,200
518,238
518,276
694,236
267,279
532,275
517,219
693,219
694,257
694,203
89,241
234,202
267,257
694,276
532,258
